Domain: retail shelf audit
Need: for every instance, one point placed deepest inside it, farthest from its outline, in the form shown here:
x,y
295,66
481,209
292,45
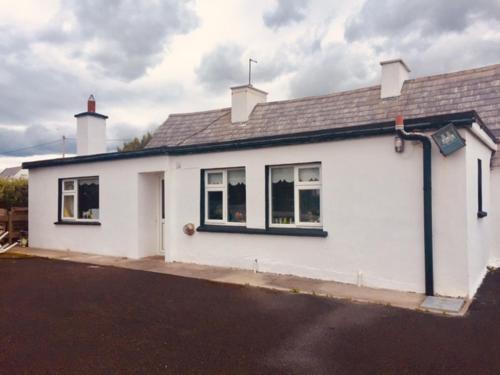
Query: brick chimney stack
x,y
91,104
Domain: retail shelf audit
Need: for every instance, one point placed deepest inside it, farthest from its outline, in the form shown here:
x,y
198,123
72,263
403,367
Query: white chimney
x,y
90,130
394,74
243,100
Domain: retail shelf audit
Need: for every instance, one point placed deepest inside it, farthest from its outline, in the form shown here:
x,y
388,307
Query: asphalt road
x,y
62,317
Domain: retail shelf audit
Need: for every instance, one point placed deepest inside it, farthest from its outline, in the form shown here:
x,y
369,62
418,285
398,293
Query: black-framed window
x,y
79,199
294,196
224,196
480,212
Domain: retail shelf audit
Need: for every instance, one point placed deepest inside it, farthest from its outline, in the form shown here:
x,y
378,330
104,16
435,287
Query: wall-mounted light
x,y
448,139
399,144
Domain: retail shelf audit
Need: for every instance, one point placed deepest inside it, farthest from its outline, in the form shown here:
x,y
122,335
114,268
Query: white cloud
x,y
171,57
285,13
16,161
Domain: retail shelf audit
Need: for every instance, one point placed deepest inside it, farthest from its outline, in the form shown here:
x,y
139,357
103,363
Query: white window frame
x,y
74,193
297,187
223,188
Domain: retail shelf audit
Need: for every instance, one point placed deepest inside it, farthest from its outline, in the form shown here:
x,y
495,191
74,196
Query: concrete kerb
x,y
282,283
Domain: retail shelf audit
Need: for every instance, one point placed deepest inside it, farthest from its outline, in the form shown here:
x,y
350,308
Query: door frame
x,y
161,219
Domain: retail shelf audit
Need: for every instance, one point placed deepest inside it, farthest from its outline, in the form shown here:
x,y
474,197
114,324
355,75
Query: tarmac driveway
x,y
63,317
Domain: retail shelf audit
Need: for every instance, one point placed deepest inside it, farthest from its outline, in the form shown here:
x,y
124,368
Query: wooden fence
x,y
15,221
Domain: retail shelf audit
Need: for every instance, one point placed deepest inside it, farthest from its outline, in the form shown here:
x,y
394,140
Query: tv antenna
x,y
250,61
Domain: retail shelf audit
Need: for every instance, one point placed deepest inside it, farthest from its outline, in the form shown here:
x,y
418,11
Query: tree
x,y
13,193
136,144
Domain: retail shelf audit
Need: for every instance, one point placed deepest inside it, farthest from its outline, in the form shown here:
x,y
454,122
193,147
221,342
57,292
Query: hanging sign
x,y
448,139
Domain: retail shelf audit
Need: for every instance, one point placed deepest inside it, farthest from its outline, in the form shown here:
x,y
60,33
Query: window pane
x,y
215,205
69,206
69,185
309,206
215,178
309,174
236,196
282,196
88,198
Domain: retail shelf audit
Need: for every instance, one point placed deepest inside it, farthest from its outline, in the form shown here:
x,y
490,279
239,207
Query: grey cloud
x,y
30,89
35,90
335,68
221,68
121,38
416,19
46,139
454,53
341,67
431,36
272,67
117,134
285,13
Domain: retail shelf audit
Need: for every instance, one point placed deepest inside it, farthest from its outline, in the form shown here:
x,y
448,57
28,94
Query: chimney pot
x,y
91,104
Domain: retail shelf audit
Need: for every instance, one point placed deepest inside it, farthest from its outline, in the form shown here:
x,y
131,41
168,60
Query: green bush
x,y
13,193
136,143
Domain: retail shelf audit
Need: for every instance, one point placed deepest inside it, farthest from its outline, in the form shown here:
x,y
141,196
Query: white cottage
x,y
327,187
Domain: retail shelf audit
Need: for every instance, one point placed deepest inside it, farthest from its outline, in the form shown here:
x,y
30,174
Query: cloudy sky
x,y
144,59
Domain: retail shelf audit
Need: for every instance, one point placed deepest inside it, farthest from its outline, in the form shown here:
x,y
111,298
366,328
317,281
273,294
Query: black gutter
x,y
427,176
463,119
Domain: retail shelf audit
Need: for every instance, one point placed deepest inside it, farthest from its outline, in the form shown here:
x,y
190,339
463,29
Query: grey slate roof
x,y
9,172
474,89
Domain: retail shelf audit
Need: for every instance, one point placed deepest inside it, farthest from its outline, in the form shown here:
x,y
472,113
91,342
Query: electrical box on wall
x,y
448,139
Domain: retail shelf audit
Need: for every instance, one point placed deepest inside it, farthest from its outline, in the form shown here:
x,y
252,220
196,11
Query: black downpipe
x,y
429,270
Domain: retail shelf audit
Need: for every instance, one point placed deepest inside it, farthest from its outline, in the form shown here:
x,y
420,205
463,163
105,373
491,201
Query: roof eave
x,y
462,119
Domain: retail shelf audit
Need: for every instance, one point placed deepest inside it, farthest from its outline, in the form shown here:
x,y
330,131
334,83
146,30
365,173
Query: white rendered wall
x,y
90,135
119,193
449,222
367,220
372,208
478,229
494,217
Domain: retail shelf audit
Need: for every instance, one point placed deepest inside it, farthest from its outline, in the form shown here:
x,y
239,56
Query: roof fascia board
x,y
110,156
482,136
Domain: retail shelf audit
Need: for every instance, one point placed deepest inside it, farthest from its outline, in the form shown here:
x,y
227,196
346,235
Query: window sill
x,y
300,232
481,214
63,222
